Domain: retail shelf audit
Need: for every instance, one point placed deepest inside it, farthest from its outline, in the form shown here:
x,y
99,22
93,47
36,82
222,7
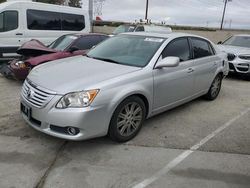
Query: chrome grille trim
x,y
36,95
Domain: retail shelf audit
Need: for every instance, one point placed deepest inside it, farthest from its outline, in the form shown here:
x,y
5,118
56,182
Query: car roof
x,y
242,35
163,35
87,34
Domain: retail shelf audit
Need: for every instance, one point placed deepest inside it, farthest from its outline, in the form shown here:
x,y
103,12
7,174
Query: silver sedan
x,y
120,83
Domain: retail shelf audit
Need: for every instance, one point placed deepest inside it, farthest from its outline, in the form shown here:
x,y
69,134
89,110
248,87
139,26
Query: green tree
x,y
74,3
1,1
57,2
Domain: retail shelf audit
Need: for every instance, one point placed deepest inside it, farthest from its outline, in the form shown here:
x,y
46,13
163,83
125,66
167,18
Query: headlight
x,y
77,99
20,64
230,57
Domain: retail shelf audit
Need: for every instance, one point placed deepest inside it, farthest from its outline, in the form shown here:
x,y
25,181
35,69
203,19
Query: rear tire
x,y
127,119
215,88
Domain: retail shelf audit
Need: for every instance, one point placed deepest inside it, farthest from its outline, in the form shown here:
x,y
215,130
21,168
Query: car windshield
x,y
124,28
62,42
127,50
242,41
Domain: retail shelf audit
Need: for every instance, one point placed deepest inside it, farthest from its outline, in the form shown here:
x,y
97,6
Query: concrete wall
x,y
214,36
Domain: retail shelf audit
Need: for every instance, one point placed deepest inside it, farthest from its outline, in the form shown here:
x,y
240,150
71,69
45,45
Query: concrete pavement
x,y
31,159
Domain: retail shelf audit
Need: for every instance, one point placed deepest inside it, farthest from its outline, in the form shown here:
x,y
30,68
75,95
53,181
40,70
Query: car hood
x,y
234,49
34,48
76,74
45,58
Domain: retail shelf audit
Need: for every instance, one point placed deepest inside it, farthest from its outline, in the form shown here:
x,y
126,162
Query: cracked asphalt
x,y
32,159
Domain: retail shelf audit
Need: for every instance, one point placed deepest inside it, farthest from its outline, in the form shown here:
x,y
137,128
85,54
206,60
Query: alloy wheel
x,y
129,119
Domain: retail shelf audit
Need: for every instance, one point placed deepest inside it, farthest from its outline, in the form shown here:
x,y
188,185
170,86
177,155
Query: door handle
x,y
19,34
190,70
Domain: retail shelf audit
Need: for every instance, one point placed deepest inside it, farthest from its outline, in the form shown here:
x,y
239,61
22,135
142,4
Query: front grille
x,y
245,57
37,96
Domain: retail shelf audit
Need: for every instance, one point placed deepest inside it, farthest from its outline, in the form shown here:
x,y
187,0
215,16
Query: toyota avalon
x,y
120,83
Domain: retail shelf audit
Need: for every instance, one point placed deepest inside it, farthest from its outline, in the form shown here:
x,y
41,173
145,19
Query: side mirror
x,y
168,62
73,49
220,42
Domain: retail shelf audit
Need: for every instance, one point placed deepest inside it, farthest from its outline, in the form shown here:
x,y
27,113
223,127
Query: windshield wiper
x,y
106,59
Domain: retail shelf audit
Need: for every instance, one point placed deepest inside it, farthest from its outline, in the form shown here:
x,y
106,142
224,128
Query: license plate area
x,y
26,110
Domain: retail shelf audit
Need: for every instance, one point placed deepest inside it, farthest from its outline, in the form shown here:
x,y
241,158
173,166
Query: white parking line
x,y
186,153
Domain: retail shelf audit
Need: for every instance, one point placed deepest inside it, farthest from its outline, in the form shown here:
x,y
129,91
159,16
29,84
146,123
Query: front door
x,y
172,85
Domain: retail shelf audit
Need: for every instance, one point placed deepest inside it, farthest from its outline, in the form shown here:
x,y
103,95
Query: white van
x,y
21,21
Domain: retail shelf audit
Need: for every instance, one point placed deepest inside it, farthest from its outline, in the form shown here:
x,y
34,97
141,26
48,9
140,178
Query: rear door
x,y
205,63
174,84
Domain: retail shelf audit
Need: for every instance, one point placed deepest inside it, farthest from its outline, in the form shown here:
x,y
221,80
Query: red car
x,y
35,53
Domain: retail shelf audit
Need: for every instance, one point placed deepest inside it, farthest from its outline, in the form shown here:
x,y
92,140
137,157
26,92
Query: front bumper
x,y
239,66
91,121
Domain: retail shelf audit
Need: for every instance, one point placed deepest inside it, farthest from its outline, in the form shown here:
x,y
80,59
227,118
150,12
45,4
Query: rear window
x,y
47,20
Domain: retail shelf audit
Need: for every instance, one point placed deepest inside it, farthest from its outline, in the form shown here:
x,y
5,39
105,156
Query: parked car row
x,y
120,83
34,52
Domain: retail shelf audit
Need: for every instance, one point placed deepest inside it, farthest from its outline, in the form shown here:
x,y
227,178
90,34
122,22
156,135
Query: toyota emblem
x,y
30,94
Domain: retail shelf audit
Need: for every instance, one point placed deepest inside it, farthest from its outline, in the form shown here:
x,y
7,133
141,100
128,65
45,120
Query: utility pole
x,y
146,14
224,11
91,15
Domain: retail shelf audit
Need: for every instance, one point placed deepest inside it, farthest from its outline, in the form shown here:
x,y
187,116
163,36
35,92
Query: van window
x,y
47,20
72,22
8,21
43,20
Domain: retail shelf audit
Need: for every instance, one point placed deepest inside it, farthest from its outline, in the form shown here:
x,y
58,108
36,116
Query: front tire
x,y
127,119
215,88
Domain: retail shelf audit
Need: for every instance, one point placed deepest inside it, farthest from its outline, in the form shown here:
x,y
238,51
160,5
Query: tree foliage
x,y
57,2
74,3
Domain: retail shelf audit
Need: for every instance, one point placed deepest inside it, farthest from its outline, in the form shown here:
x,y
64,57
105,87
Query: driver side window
x,y
8,21
178,48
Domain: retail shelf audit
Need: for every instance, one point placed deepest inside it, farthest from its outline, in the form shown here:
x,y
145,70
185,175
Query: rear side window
x,y
8,21
47,20
87,42
178,48
43,20
72,22
201,48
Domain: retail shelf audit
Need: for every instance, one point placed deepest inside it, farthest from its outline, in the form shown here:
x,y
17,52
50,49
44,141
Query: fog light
x,y
73,131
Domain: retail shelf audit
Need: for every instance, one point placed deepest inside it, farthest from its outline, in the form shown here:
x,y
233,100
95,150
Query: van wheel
x,y
214,89
127,119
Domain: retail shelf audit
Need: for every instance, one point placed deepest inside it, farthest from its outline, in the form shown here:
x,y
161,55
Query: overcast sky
x,y
181,12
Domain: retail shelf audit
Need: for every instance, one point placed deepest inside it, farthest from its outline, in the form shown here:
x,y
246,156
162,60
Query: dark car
x,y
34,52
